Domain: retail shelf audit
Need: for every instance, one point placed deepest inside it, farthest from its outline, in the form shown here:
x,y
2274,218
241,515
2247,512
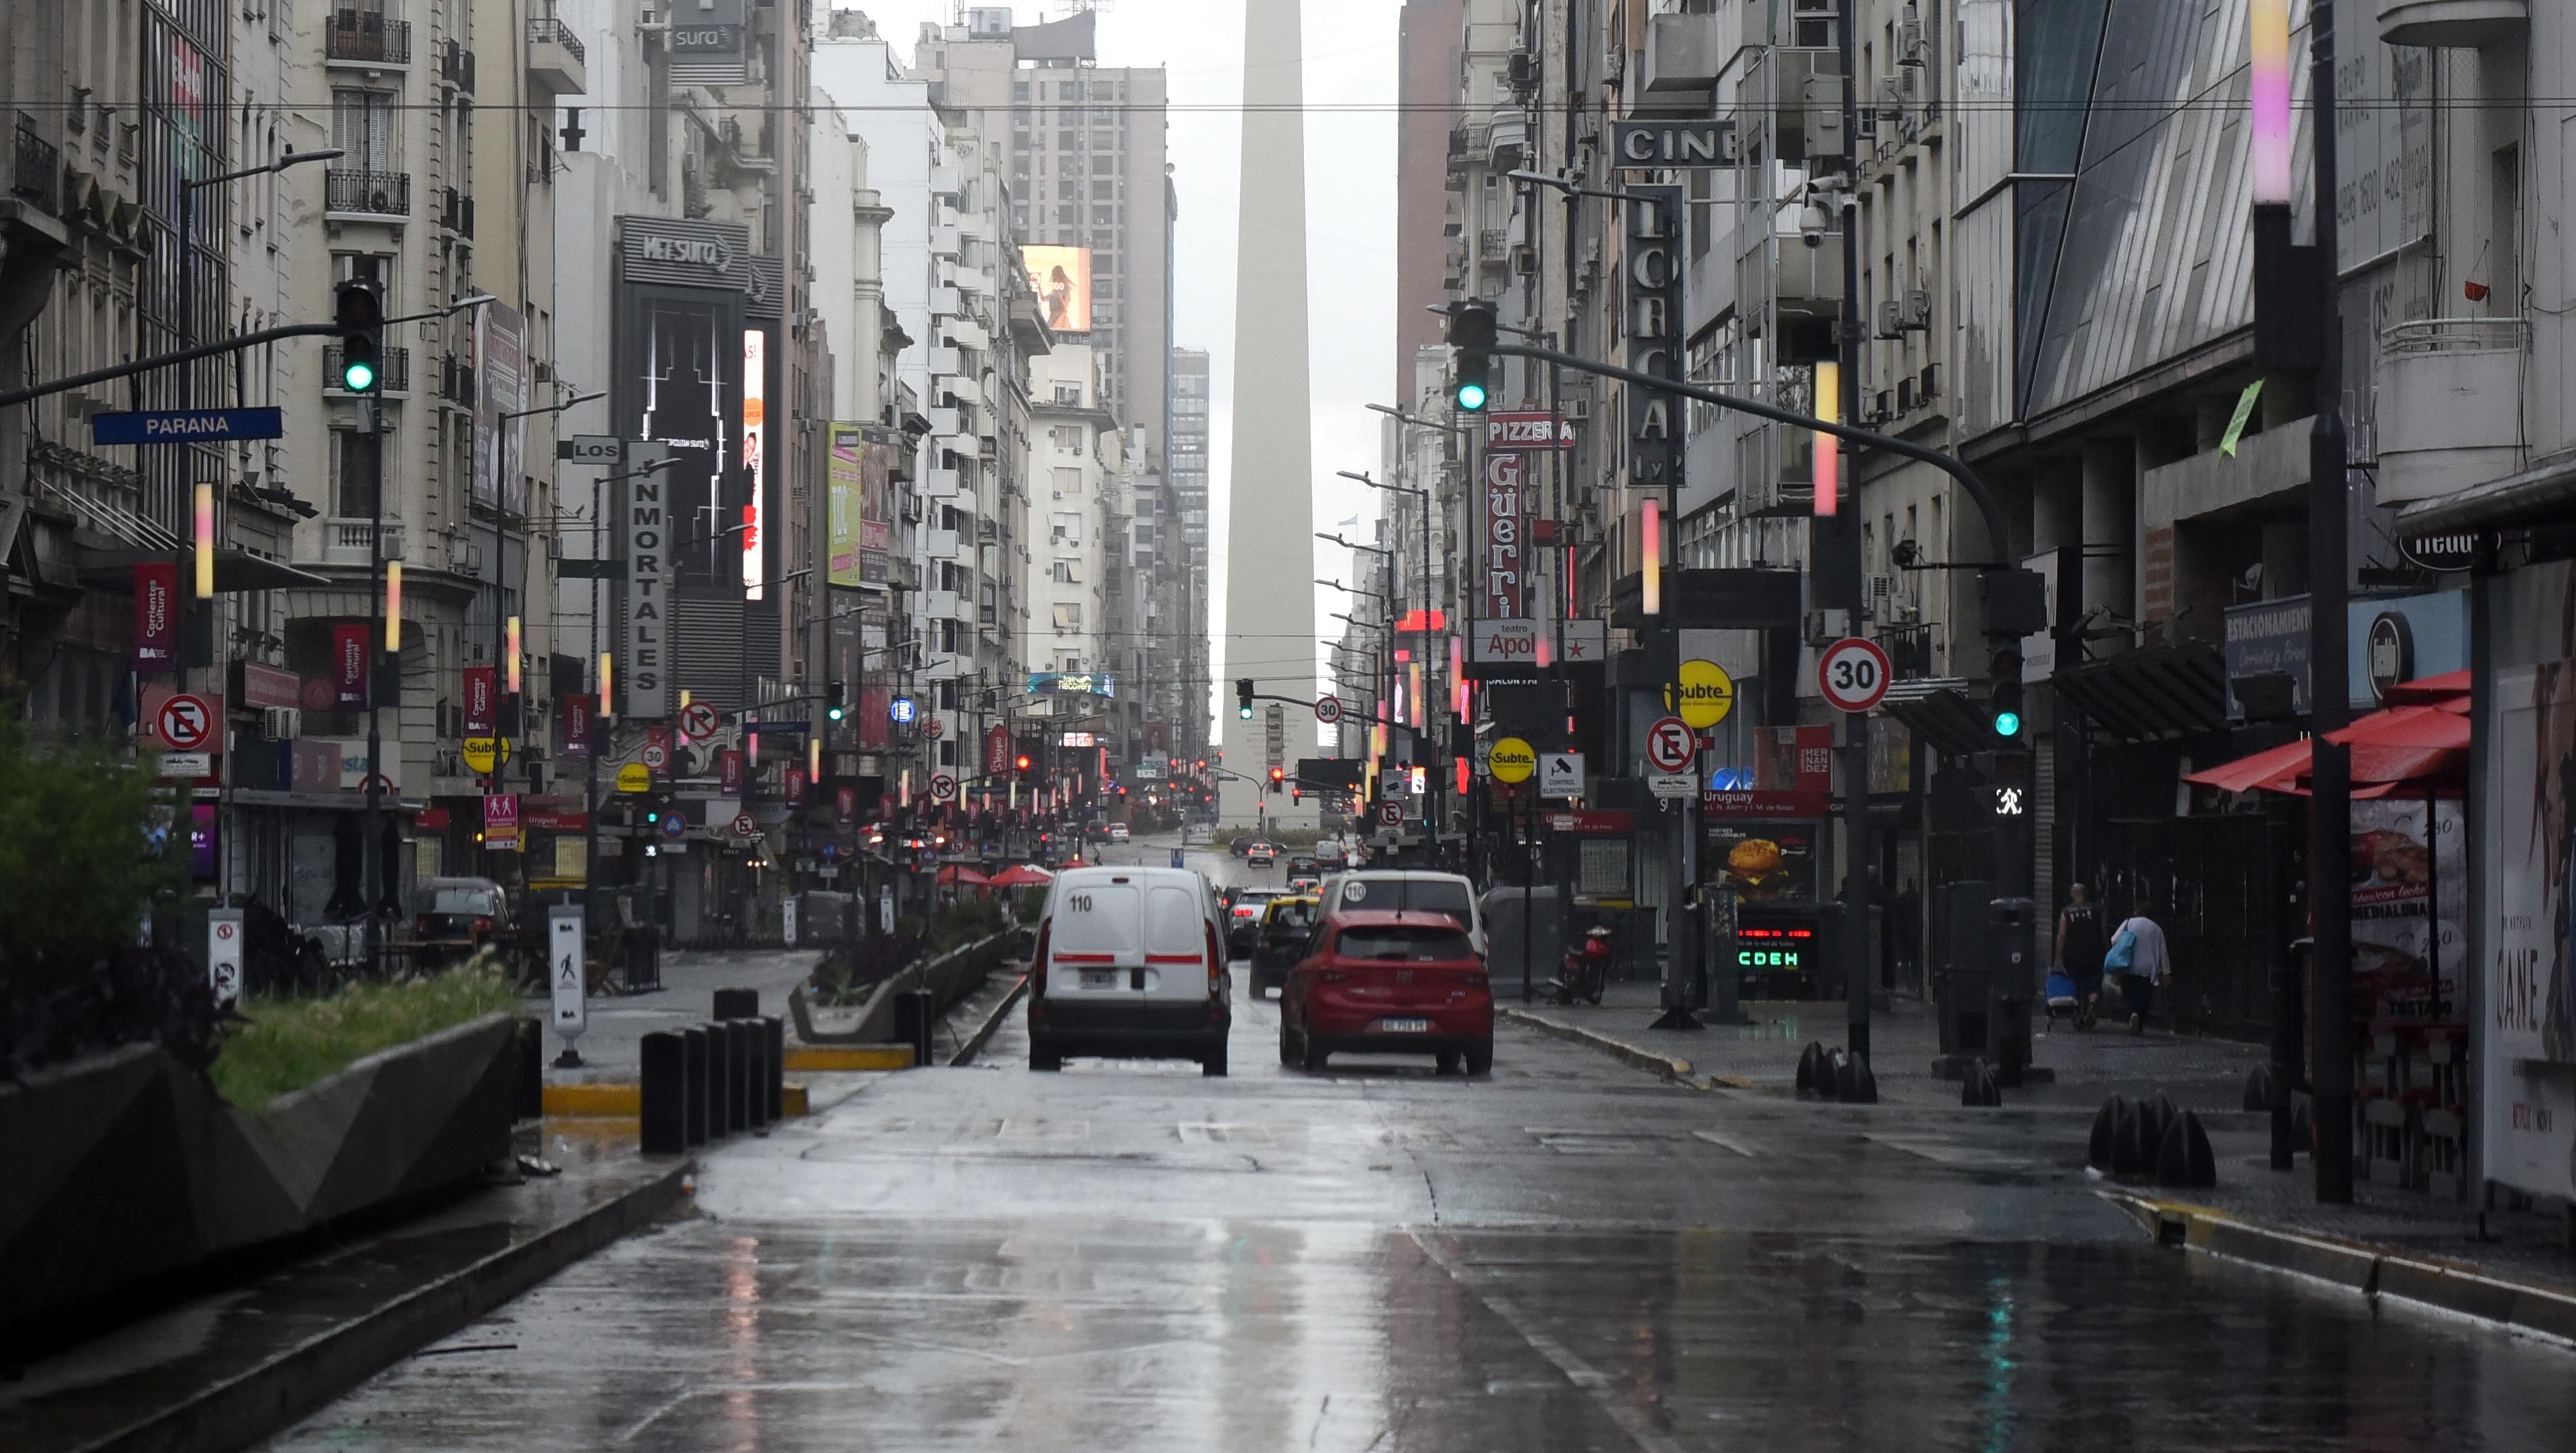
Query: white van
x,y
1130,962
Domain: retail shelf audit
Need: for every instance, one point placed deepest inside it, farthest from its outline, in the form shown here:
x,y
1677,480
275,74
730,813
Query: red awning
x,y
2406,726
1022,875
2274,769
2419,747
2432,690
960,873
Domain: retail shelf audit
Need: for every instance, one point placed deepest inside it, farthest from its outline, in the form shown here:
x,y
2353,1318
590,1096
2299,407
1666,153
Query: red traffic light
x,y
1277,773
1023,764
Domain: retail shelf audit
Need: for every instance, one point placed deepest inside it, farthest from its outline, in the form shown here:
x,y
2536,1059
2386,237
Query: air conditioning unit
x,y
390,538
281,723
1882,592
1904,396
1913,46
1909,84
1891,94
1891,319
1918,309
1576,410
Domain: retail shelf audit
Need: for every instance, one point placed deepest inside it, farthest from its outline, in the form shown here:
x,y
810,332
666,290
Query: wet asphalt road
x,y
1566,1256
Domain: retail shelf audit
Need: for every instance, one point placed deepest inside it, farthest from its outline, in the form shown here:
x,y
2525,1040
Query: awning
x,y
235,571
2450,691
2406,749
959,873
1945,719
1022,875
2538,495
2155,693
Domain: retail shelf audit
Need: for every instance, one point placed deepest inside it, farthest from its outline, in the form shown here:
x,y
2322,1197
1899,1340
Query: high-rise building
x,y
1187,474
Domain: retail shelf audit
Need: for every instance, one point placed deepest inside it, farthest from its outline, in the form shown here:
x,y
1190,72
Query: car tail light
x,y
1473,980
1215,965
1332,976
482,925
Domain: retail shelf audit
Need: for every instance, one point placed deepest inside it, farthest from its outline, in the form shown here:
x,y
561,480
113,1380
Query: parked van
x,y
1130,963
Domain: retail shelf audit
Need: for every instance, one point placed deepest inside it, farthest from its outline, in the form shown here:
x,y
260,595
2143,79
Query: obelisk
x,y
1270,539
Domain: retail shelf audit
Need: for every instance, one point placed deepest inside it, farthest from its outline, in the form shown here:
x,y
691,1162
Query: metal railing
x,y
456,380
35,168
546,29
456,65
364,35
393,370
2456,335
456,212
383,194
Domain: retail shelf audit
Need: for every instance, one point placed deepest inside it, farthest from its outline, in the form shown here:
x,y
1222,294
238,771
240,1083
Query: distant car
x,y
1261,855
1389,983
1305,883
1302,865
1329,854
1198,835
1406,890
1281,942
1242,844
1129,962
454,917
1243,918
1118,832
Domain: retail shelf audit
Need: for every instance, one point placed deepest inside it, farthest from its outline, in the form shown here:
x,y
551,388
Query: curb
x,y
1627,1054
2358,1266
274,1396
626,1101
837,1058
975,1042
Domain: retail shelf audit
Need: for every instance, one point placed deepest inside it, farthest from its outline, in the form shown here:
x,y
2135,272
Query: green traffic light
x,y
360,376
1244,712
1471,396
2007,723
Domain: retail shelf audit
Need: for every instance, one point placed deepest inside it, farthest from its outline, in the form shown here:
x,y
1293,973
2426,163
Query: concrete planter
x,y
949,977
126,1167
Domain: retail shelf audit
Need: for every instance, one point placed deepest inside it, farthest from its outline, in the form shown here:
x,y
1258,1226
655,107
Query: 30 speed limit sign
x,y
1853,674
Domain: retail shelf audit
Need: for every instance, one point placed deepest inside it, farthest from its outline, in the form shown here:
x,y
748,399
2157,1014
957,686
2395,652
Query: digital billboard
x,y
1061,277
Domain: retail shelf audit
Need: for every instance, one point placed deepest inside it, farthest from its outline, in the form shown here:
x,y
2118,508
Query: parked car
x,y
1243,918
1286,925
1242,844
1389,983
1129,963
1406,890
454,917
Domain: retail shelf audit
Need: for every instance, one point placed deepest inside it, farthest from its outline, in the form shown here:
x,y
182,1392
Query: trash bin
x,y
1524,928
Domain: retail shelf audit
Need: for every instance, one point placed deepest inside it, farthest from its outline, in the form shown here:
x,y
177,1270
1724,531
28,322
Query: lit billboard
x,y
1061,278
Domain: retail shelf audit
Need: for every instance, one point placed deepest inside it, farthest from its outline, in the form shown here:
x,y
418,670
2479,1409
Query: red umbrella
x,y
1023,875
2442,690
2274,769
960,873
2406,726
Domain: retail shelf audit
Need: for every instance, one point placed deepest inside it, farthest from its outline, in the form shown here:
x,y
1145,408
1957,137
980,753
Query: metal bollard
x,y
774,1045
693,1085
925,1023
528,1089
737,1003
720,1096
742,1090
666,1088
755,1073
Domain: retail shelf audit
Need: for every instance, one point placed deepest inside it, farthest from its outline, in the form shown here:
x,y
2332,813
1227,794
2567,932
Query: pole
x,y
2330,888
1858,961
376,656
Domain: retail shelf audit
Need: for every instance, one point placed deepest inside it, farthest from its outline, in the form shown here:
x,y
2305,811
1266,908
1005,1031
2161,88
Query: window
x,y
1069,91
1068,572
1104,191
1405,945
362,124
1068,482
1065,527
1068,615
355,474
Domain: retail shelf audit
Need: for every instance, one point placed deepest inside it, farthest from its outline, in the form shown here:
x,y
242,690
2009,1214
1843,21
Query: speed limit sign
x,y
1670,745
1853,674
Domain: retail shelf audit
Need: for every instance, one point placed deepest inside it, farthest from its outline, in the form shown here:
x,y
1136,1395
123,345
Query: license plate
x,y
1404,1026
1100,978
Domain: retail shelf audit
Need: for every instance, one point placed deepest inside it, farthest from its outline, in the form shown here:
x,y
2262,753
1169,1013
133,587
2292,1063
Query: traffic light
x,y
2003,694
1243,697
1278,775
1021,762
360,314
1471,342
836,704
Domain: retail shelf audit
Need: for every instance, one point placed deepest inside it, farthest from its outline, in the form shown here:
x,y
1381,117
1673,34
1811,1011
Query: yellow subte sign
x,y
1513,760
1708,694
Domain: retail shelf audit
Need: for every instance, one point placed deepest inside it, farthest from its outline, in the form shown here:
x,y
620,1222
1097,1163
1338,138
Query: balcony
x,y
367,39
35,170
939,483
393,372
456,66
456,381
456,214
2466,24
941,605
2450,397
364,194
348,542
939,544
556,62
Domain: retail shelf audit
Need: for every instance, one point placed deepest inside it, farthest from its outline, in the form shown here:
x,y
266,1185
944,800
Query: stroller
x,y
2064,995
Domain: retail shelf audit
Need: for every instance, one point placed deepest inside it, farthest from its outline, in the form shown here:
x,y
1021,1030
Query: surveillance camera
x,y
1813,225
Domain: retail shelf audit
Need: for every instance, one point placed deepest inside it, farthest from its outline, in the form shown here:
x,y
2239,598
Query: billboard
x,y
501,390
843,483
861,500
1061,277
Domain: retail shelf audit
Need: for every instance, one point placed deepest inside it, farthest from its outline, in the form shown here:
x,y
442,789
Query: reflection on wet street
x,y
1567,1256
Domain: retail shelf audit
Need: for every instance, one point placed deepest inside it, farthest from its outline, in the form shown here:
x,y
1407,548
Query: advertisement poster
x,y
349,665
845,498
2528,1053
1061,277
156,621
576,724
2401,867
502,386
1763,862
479,701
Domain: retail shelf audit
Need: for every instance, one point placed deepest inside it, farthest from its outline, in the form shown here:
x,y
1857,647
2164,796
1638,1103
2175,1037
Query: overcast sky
x,y
1350,221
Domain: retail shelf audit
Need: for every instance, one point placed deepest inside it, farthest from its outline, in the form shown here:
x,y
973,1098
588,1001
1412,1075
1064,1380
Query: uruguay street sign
x,y
186,426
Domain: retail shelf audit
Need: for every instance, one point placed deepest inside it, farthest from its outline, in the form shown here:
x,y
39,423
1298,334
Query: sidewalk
x,y
2206,1075
612,1045
229,1368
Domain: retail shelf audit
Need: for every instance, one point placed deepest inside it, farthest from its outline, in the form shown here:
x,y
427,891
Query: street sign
x,y
943,788
1658,145
187,766
656,756
1176,857
743,826
698,719
634,777
1328,709
592,449
566,980
1853,673
1513,760
1522,429
1391,813
186,722
187,426
787,921
1560,774
1671,784
674,824
1670,745
481,752
1708,694
224,953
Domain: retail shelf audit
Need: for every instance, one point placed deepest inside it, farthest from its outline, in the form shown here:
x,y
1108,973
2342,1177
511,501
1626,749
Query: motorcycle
x,y
1585,971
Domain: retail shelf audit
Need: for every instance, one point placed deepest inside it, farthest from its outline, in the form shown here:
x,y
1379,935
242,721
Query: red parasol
x,y
1023,875
959,873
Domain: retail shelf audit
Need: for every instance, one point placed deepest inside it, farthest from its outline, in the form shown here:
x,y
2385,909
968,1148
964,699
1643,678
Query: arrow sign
x,y
943,787
699,720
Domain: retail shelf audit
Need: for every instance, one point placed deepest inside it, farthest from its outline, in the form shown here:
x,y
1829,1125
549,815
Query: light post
x,y
504,669
1431,779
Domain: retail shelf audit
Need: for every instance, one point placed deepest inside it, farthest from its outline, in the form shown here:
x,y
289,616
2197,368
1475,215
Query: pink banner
x,y
576,725
479,690
156,616
350,647
1506,553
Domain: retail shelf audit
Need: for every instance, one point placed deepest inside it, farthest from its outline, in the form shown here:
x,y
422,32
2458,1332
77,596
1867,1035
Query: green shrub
x,y
292,1044
75,851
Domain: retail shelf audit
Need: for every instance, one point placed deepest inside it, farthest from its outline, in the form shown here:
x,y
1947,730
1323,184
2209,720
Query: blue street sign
x,y
767,728
186,426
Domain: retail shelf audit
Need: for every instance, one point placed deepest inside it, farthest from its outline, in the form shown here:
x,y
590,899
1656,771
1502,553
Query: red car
x,y
1389,983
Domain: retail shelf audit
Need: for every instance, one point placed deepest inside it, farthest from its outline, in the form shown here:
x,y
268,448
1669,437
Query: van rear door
x,y
1096,955
1179,988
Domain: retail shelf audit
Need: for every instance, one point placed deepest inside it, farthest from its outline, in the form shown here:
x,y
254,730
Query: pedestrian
x,y
2137,956
2080,943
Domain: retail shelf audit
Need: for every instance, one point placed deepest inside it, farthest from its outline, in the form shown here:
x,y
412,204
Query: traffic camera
x,y
360,314
1471,343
